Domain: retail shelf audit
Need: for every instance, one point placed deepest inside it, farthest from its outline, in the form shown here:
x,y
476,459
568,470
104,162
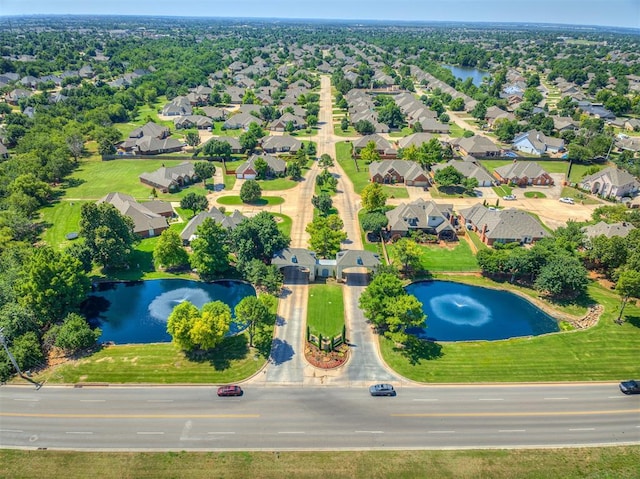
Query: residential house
x,y
404,172
229,222
415,139
564,123
426,216
596,110
248,171
469,169
17,94
537,143
523,173
150,129
496,113
147,222
281,144
149,139
477,145
281,123
383,147
170,178
632,124
179,106
621,229
611,183
193,121
431,125
502,226
215,113
240,121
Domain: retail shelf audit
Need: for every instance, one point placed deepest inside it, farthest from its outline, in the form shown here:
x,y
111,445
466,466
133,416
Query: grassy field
x,y
607,462
455,130
325,312
61,218
457,257
577,463
264,201
606,351
284,224
277,184
160,363
534,194
360,179
577,172
579,196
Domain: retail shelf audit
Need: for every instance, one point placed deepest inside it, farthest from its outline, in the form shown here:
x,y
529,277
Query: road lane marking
x,y
79,432
20,430
149,433
425,399
133,416
490,399
93,400
159,400
291,432
26,399
511,430
583,429
221,432
516,414
616,397
440,432
369,432
556,399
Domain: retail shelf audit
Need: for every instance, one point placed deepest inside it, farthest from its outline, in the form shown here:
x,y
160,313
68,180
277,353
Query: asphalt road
x,y
317,418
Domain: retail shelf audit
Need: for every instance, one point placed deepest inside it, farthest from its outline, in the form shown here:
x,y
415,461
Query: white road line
x,y
149,432
583,429
93,400
440,432
159,400
221,432
511,430
291,432
26,399
490,399
556,399
616,397
426,399
20,430
369,432
79,432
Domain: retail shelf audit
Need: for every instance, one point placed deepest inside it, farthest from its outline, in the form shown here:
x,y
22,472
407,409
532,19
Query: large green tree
x,y
448,176
628,286
250,191
252,313
169,252
194,202
562,275
408,253
258,238
326,235
204,170
75,334
373,197
210,249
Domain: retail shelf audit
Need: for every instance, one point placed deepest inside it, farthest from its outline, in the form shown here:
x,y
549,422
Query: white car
x,y
509,197
567,200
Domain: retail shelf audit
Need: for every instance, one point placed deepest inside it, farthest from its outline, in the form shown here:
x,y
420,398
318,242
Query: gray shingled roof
x,y
143,218
520,169
415,215
621,229
229,222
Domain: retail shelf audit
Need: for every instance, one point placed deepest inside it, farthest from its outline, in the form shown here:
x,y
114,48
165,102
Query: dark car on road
x,y
630,387
382,390
230,391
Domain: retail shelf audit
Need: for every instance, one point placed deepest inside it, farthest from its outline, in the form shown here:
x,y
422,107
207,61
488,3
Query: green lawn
x,y
619,462
61,218
338,131
491,165
534,194
325,312
606,351
577,172
456,131
264,201
503,190
277,184
456,257
406,131
475,239
218,131
284,223
160,363
579,196
360,179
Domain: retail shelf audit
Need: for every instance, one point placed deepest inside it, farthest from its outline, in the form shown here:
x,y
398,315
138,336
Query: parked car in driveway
x,y
382,390
630,387
567,200
509,197
231,390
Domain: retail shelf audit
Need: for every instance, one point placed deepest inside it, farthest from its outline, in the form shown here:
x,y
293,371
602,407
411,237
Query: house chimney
x,y
483,235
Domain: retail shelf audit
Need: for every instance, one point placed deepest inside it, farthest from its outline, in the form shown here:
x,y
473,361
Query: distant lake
x,y
468,72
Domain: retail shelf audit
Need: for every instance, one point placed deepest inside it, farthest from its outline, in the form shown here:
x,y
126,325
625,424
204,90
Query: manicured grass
x,y
450,192
555,166
579,196
277,184
534,194
264,201
491,165
305,133
325,312
160,363
606,351
475,239
95,178
454,257
218,131
338,131
406,131
578,463
456,131
577,172
503,190
284,223
61,218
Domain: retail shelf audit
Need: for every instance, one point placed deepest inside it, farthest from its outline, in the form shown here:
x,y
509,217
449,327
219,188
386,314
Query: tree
x,y
479,112
562,275
326,235
391,115
258,238
364,127
82,253
169,252
628,286
469,184
608,253
262,276
108,234
217,149
179,324
505,129
312,120
210,249
194,202
323,202
325,161
28,186
192,138
211,325
373,197
457,104
52,284
252,313
344,123
403,312
374,222
75,334
250,191
204,170
106,148
75,143
294,170
408,253
369,154
26,350
448,176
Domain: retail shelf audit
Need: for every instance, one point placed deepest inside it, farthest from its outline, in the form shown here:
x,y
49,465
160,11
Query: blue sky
x,y
625,13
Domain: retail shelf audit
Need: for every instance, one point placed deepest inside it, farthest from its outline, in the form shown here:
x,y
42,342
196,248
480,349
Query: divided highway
x,y
305,418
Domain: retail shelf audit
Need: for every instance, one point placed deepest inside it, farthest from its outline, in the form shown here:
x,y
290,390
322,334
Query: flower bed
x,y
326,360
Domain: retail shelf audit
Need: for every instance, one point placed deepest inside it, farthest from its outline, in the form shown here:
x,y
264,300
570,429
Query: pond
x,y
137,312
468,72
461,312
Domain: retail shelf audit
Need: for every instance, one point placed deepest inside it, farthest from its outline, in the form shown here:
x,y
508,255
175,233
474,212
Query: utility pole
x,y
14,362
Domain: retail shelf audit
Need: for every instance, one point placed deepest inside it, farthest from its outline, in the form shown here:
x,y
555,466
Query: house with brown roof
x,y
149,219
523,173
383,147
502,226
226,221
469,169
477,145
420,215
281,144
404,172
248,170
415,139
170,178
281,123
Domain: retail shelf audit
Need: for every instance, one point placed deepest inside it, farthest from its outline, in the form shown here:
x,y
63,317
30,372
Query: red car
x,y
230,391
